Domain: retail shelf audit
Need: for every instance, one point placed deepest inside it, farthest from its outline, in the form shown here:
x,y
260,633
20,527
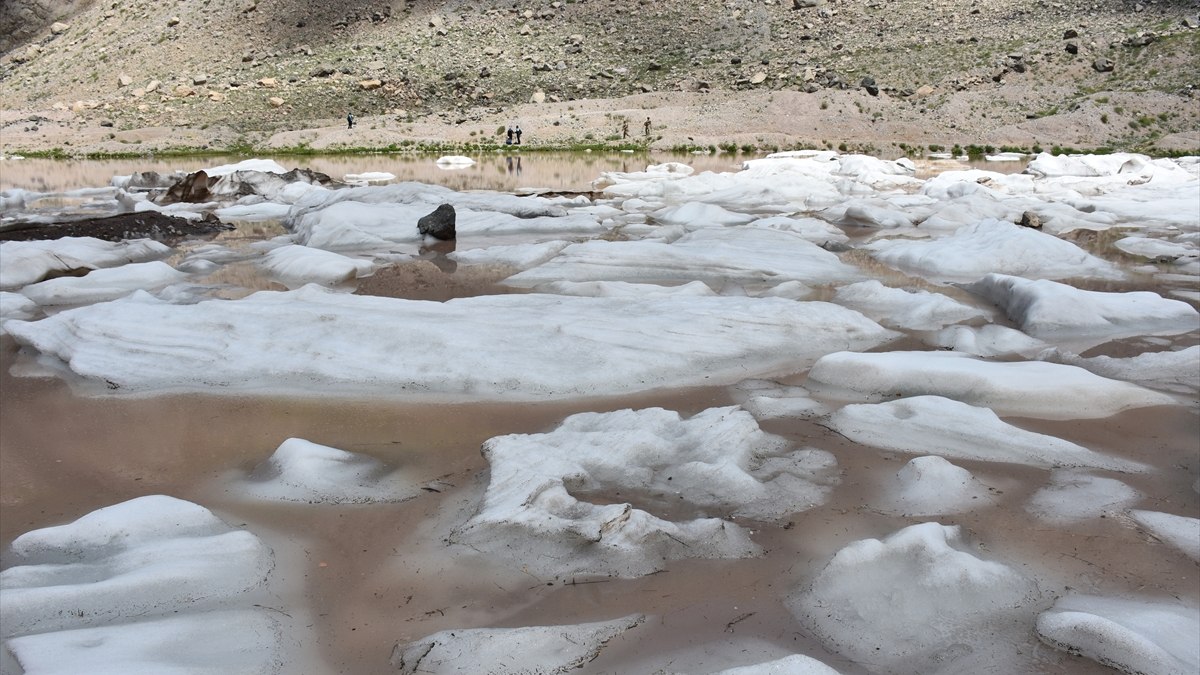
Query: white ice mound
x,y
1157,249
917,601
992,246
533,649
210,643
1181,532
1177,371
27,262
1027,388
1141,637
895,307
989,340
145,557
796,664
298,265
103,284
263,165
931,486
1074,495
713,255
932,424
303,471
814,230
1050,310
556,502
16,306
314,341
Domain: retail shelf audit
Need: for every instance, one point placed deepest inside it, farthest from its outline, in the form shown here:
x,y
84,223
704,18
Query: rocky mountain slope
x,y
231,73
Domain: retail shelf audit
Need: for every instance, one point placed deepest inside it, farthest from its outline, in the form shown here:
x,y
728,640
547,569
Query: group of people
x,y
625,127
513,131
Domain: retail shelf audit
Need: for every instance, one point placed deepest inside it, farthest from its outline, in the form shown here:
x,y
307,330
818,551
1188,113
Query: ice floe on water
x,y
27,262
991,246
899,308
296,266
154,584
1155,637
1176,371
316,342
918,601
600,478
717,256
1050,311
949,428
104,284
1025,388
1180,532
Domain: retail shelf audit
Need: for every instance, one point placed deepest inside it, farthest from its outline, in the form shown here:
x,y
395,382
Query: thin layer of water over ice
x,y
540,649
1180,532
899,308
1074,495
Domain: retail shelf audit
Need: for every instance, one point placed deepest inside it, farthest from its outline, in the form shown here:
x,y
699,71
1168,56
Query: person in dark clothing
x,y
508,136
518,132
349,120
646,126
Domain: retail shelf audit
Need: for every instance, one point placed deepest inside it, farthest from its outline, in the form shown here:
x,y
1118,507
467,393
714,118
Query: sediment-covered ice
x,y
931,486
918,601
941,426
298,265
303,471
1051,310
150,556
532,649
899,308
582,498
103,284
1027,388
1180,532
715,255
1139,636
991,246
313,341
27,262
1075,495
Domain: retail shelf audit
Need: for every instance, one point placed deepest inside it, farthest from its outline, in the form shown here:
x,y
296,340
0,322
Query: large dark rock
x,y
192,188
439,224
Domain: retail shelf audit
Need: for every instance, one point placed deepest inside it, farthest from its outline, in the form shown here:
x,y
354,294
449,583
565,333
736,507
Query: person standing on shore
x,y
625,128
646,126
349,120
517,131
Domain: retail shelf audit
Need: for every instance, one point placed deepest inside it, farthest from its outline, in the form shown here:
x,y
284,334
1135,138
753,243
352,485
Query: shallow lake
x,y
355,580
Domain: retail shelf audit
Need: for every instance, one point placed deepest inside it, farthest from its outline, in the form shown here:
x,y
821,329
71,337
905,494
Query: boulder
x,y
1030,219
370,85
275,101
1103,65
439,224
58,28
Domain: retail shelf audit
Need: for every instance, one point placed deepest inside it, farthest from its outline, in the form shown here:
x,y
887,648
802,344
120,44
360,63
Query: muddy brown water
x,y
357,580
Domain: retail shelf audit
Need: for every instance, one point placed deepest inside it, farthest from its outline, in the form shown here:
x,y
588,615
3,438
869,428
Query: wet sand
x,y
353,581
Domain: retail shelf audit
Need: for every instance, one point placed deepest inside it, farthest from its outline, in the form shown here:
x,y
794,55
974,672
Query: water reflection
x,y
502,171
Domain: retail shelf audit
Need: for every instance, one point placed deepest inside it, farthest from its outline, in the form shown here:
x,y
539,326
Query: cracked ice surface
x,y
714,464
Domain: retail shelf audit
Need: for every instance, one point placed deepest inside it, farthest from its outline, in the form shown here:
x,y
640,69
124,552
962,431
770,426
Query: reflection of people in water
x,y
508,161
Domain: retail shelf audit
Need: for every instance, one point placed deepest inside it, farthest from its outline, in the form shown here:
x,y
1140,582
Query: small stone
x,y
58,28
275,101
